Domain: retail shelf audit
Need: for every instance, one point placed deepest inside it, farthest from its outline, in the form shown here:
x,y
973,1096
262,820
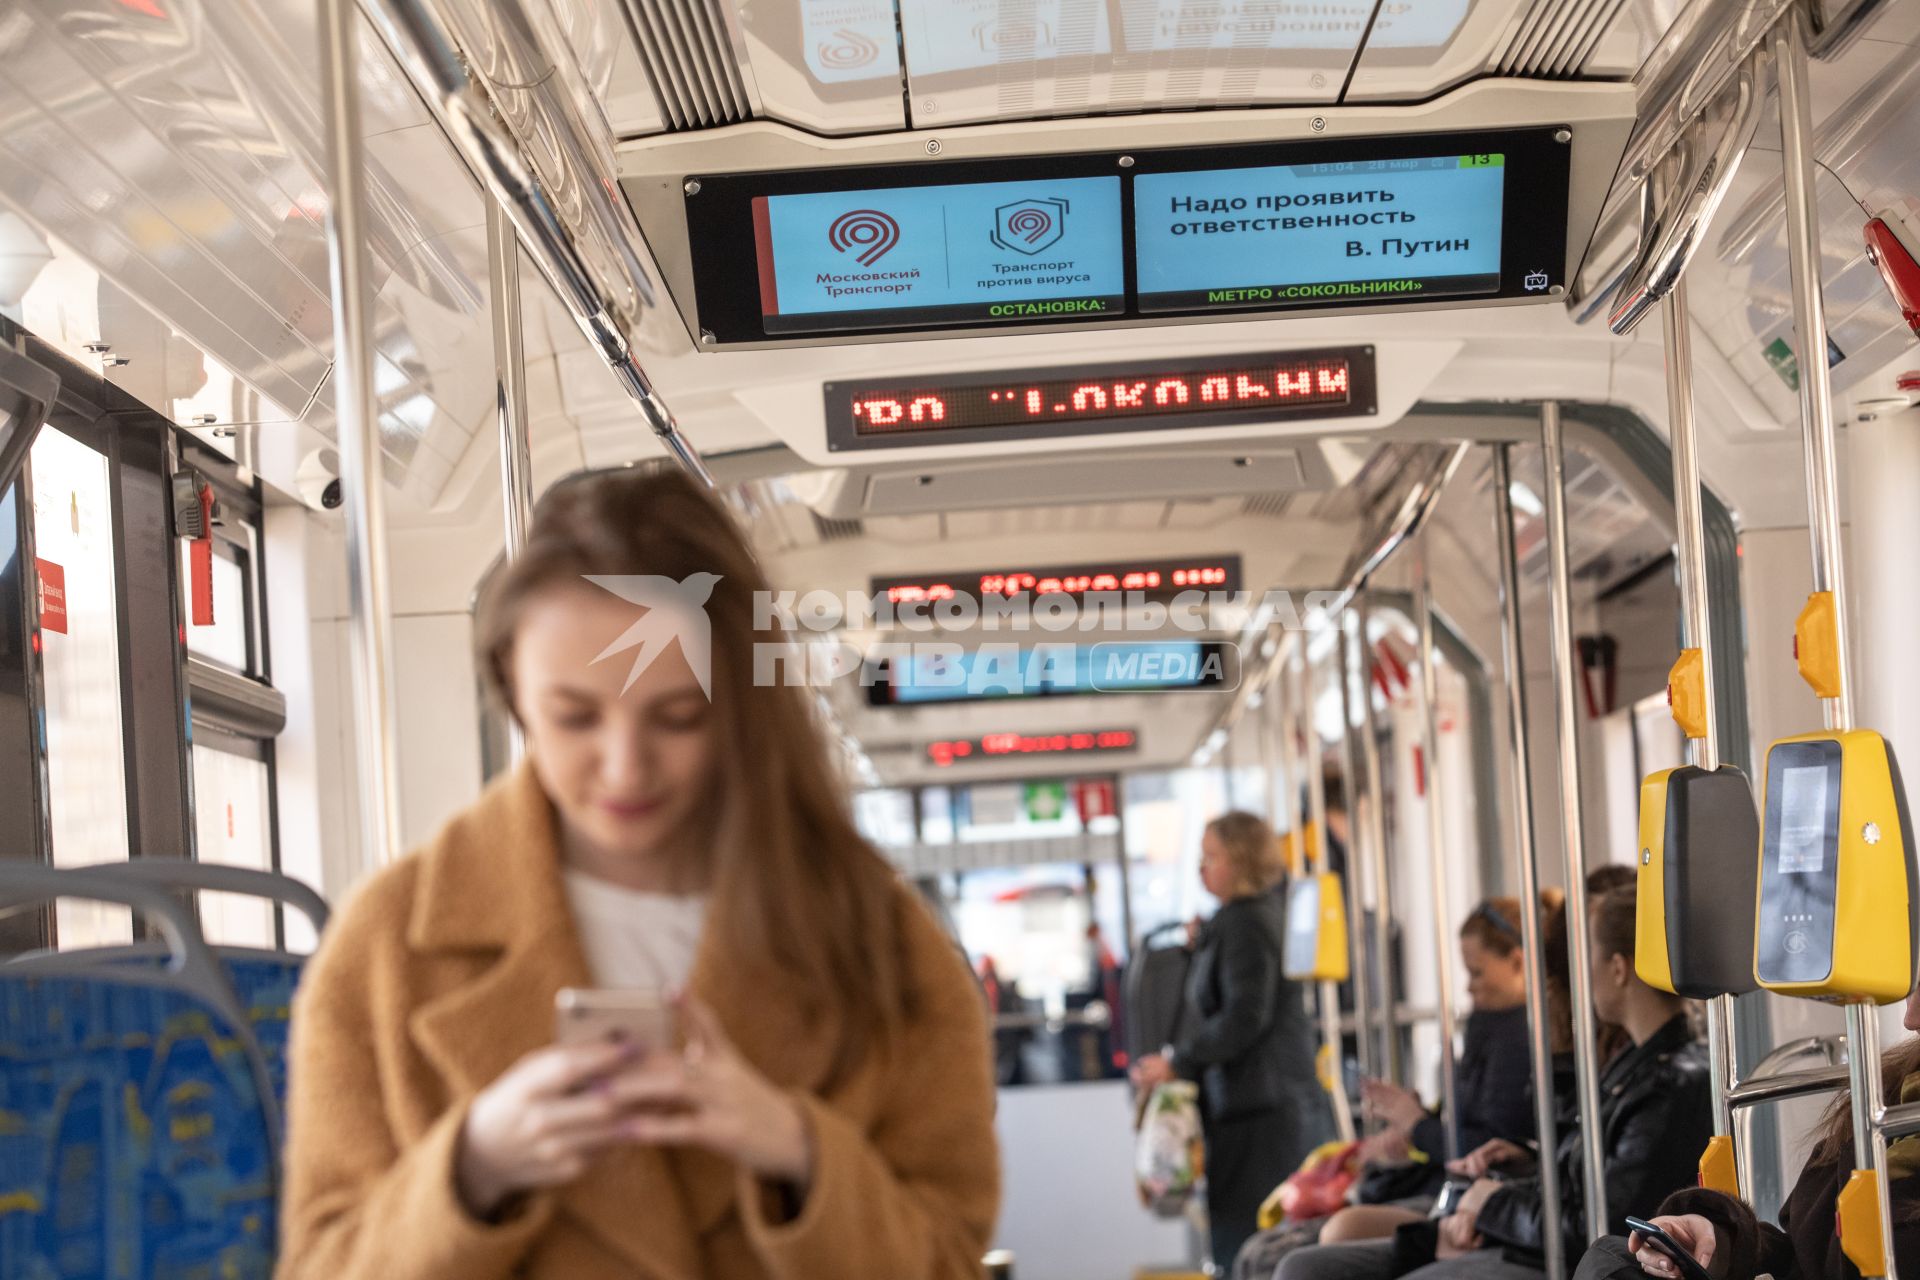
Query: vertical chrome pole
x,y
1823,524
1356,861
1539,1033
1440,885
1381,934
1585,1050
1265,727
509,377
509,399
357,425
1120,842
1690,535
1317,811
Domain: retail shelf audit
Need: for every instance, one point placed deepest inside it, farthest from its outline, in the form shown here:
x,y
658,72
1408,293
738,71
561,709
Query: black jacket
x,y
1804,1246
1245,1035
1655,1118
1492,1086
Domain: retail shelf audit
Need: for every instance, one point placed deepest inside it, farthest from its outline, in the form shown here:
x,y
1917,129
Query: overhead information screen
x,y
1366,231
1154,579
946,255
1146,234
1026,404
1053,670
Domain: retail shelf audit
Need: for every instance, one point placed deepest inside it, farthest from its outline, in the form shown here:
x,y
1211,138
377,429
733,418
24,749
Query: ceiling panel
x,y
971,60
828,66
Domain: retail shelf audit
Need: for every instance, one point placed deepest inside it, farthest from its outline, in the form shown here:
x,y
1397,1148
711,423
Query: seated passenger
x,y
675,826
1654,1116
1493,1082
1724,1236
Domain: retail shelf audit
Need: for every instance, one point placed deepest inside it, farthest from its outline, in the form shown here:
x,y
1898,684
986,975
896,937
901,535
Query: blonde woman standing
x,y
1245,1035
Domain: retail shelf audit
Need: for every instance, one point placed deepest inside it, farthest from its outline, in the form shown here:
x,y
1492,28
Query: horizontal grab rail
x,y
1788,1084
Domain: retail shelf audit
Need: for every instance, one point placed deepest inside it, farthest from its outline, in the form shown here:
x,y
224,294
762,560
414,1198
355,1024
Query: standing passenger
x,y
1248,1039
676,827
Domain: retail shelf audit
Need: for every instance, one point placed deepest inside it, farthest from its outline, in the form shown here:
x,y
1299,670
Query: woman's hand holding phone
x,y
539,1124
1477,1163
711,1097
1391,1104
1689,1233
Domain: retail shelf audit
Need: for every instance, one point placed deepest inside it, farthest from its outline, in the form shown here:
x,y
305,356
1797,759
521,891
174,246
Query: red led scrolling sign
x,y
1160,578
998,746
1030,403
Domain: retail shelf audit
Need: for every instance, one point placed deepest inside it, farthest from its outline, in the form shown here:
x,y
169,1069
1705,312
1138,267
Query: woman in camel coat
x,y
830,1113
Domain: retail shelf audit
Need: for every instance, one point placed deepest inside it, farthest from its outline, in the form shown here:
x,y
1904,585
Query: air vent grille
x,y
1270,505
835,530
690,60
1558,36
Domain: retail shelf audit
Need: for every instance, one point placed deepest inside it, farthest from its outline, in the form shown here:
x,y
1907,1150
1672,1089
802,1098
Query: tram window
x,y
228,640
1027,929
80,666
885,817
1012,810
232,825
936,815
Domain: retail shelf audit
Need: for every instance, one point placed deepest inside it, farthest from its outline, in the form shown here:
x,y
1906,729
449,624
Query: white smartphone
x,y
637,1016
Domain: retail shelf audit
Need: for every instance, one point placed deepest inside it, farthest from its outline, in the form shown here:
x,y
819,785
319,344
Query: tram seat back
x,y
134,1137
1838,912
1697,880
263,983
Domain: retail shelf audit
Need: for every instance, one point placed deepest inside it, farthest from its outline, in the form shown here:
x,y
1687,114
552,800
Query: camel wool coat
x,y
440,973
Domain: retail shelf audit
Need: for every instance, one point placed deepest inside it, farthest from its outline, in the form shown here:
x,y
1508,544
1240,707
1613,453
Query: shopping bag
x,y
1168,1153
1317,1188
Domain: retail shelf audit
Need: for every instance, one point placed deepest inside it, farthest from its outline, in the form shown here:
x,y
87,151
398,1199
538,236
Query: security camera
x,y
317,479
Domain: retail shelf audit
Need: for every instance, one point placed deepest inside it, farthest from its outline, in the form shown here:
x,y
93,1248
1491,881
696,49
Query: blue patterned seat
x,y
134,1141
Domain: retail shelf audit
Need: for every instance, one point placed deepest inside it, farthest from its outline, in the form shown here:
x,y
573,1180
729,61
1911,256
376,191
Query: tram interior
x,y
163,248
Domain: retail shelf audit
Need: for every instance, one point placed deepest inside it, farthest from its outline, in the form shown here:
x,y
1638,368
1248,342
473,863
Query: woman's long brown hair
x,y
796,890
1833,1144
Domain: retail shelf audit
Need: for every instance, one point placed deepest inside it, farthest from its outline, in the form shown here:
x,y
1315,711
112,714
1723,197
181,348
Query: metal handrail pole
x,y
1436,850
1823,527
1586,1057
357,427
1539,1033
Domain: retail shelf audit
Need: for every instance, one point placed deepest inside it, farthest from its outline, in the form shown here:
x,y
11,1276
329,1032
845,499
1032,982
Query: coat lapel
x,y
491,896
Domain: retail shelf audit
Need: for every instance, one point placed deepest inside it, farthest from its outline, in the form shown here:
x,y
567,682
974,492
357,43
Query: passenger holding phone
x,y
1654,1121
815,1096
1724,1237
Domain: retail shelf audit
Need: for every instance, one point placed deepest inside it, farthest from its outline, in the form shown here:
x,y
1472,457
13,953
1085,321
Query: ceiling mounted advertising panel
x,y
975,60
770,238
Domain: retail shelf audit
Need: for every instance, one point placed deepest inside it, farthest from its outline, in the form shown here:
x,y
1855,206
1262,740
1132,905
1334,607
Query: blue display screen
x,y
1013,251
1285,235
1006,671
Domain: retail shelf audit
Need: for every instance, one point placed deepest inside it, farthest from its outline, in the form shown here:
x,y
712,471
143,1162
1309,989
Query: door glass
x,y
80,665
225,640
230,819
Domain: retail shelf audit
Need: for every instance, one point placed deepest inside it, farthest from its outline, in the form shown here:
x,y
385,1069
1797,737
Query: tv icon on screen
x,y
1535,281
